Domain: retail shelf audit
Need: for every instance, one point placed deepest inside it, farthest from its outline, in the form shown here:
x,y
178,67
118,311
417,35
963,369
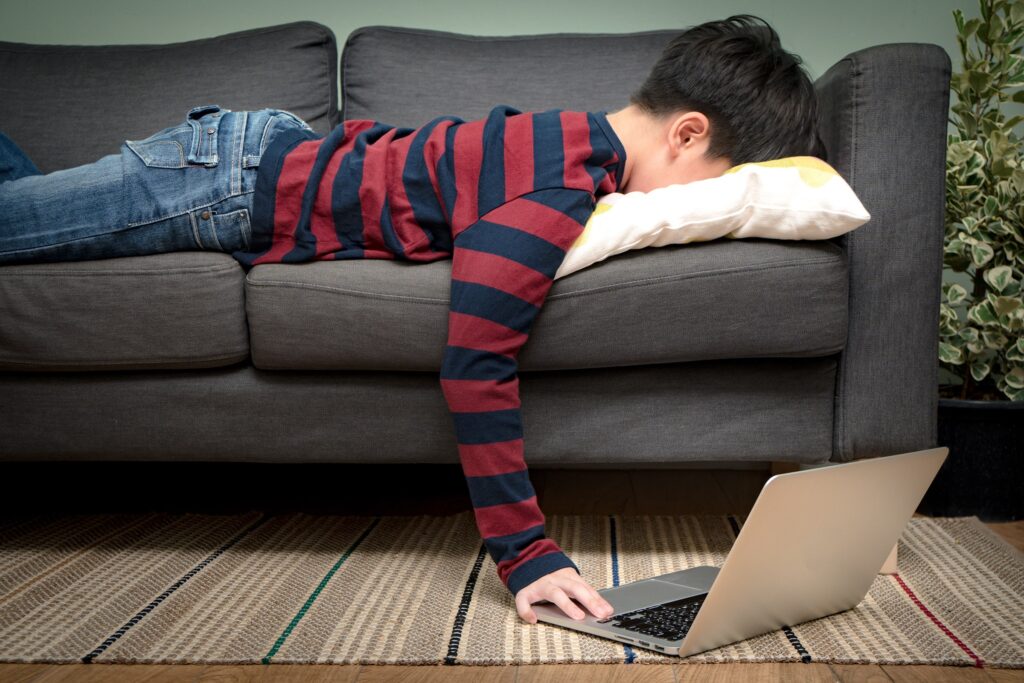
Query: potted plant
x,y
981,343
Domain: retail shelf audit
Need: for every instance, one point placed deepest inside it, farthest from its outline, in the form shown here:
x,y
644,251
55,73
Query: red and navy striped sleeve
x,y
505,197
502,268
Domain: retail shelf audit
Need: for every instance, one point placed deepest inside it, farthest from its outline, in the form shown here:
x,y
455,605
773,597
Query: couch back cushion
x,y
67,105
406,77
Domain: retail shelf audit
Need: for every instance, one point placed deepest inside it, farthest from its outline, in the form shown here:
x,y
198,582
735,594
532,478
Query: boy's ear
x,y
687,129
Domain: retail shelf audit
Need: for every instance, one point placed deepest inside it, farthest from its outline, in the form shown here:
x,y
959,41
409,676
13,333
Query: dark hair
x,y
761,103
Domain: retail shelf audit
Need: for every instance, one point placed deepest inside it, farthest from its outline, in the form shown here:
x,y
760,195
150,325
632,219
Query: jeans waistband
x,y
260,127
270,122
205,121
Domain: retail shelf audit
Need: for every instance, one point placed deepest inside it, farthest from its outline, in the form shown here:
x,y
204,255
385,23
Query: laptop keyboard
x,y
670,620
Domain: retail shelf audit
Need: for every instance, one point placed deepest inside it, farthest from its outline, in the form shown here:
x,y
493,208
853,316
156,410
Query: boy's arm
x,y
502,268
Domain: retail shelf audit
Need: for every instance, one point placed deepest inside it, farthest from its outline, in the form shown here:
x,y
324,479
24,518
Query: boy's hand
x,y
558,587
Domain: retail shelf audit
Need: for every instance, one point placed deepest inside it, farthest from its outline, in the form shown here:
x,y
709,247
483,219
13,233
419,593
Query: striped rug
x,y
302,588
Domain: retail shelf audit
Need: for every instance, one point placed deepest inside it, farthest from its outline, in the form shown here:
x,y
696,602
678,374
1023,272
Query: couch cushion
x,y
705,300
68,105
713,411
406,76
175,310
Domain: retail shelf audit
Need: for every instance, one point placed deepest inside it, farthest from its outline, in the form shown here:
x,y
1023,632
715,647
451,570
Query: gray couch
x,y
727,351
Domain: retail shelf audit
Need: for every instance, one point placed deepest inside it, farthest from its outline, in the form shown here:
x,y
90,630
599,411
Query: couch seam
x,y
478,38
49,272
163,359
696,275
331,86
143,47
845,452
565,295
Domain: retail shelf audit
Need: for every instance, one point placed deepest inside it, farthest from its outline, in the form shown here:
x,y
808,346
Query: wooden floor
x,y
401,489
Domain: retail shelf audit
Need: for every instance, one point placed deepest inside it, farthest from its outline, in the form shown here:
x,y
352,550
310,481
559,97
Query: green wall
x,y
821,32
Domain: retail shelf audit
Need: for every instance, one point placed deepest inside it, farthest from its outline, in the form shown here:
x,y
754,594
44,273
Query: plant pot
x,y
983,474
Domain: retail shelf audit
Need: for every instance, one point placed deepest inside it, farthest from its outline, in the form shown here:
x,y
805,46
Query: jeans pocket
x,y
167,148
192,143
232,230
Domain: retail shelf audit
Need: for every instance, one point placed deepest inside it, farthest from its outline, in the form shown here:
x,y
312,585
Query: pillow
x,y
792,198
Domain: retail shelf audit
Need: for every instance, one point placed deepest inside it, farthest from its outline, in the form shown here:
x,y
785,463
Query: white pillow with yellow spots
x,y
793,198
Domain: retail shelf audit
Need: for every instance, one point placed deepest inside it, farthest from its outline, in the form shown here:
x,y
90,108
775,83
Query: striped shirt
x,y
504,197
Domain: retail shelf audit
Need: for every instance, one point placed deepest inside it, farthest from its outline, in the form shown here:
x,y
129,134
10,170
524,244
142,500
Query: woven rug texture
x,y
301,588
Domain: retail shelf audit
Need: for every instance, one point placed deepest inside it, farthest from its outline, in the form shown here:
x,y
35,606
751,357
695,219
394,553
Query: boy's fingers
x,y
560,598
604,604
523,607
590,597
558,589
585,593
598,605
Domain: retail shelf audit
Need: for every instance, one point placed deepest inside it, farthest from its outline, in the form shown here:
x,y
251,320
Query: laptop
x,y
811,546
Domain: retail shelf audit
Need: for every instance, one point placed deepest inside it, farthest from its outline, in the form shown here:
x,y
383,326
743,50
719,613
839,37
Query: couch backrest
x,y
406,77
67,105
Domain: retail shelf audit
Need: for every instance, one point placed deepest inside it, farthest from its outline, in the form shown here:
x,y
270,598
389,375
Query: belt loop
x,y
205,121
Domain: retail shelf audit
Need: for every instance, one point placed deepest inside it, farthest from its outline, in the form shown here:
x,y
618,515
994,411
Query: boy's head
x,y
722,93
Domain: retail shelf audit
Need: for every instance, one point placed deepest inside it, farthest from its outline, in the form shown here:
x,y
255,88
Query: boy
x,y
504,197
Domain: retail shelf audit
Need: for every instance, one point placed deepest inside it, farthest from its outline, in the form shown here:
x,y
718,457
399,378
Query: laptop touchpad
x,y
641,594
699,578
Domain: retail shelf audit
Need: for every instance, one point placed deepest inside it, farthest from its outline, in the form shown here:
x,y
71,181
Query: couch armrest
x,y
883,118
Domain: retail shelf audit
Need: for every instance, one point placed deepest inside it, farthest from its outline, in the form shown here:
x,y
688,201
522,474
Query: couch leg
x,y
889,566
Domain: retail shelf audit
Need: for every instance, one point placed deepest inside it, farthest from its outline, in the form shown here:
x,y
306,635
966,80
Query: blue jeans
x,y
186,187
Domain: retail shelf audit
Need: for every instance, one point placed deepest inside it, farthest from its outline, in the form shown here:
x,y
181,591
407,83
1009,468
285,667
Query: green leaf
x,y
998,277
958,153
976,162
1018,175
982,314
1013,63
1005,305
979,369
979,81
1001,168
968,334
981,254
950,354
1015,378
1013,394
991,206
956,294
976,347
994,340
998,228
996,28
970,27
1016,12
